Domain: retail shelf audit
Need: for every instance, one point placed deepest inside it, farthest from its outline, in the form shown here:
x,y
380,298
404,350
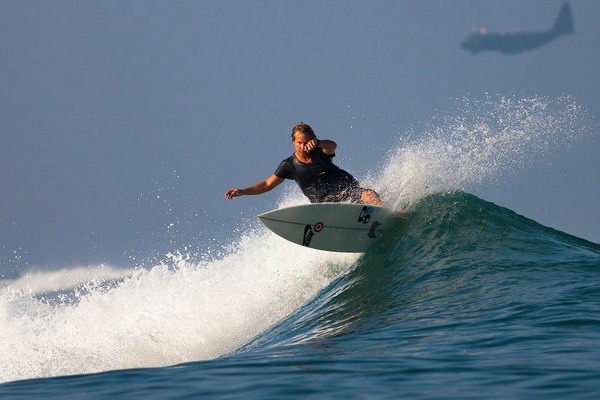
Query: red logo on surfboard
x,y
318,227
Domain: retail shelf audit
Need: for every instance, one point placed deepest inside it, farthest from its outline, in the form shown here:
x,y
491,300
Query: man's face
x,y
300,141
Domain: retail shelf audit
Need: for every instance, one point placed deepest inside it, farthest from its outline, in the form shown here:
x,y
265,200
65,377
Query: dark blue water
x,y
472,301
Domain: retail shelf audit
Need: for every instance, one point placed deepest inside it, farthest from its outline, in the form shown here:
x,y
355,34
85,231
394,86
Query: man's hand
x,y
234,192
310,146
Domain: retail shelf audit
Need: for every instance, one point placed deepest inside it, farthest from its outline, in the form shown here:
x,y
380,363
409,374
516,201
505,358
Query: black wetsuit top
x,y
321,180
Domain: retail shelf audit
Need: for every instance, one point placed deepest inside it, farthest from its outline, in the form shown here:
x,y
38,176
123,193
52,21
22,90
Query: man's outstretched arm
x,y
259,188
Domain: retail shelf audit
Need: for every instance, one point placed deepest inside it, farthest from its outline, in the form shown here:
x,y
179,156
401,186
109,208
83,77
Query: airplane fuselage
x,y
510,43
513,43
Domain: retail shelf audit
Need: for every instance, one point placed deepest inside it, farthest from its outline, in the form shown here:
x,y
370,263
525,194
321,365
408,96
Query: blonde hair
x,y
304,128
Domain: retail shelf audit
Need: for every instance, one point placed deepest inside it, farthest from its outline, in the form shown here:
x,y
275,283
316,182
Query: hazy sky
x,y
124,122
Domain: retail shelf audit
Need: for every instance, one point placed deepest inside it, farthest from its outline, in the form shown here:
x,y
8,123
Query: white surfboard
x,y
341,227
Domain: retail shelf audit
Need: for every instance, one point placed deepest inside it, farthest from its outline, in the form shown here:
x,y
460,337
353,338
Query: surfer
x,y
312,168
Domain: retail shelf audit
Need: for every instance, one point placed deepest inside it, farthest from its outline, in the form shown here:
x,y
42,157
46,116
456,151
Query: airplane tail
x,y
564,22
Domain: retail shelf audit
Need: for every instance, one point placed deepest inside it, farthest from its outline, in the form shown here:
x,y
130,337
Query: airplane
x,y
514,43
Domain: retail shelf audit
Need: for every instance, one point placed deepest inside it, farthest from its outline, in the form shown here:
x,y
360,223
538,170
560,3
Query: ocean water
x,y
471,300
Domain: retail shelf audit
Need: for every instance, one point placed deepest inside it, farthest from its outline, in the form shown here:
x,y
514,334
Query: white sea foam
x,y
174,312
481,141
36,282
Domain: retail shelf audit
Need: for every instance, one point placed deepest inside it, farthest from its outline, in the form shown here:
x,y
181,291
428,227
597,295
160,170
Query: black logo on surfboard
x,y
309,232
308,235
365,214
373,228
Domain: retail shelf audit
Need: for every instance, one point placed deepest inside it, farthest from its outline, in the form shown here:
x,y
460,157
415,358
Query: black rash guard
x,y
321,180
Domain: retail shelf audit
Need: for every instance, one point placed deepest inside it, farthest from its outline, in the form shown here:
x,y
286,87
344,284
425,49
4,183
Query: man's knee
x,y
371,197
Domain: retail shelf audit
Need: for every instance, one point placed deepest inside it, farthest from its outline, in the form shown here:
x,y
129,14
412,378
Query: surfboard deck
x,y
341,227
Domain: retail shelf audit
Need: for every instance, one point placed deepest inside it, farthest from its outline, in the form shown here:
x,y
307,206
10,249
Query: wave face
x,y
462,261
471,300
